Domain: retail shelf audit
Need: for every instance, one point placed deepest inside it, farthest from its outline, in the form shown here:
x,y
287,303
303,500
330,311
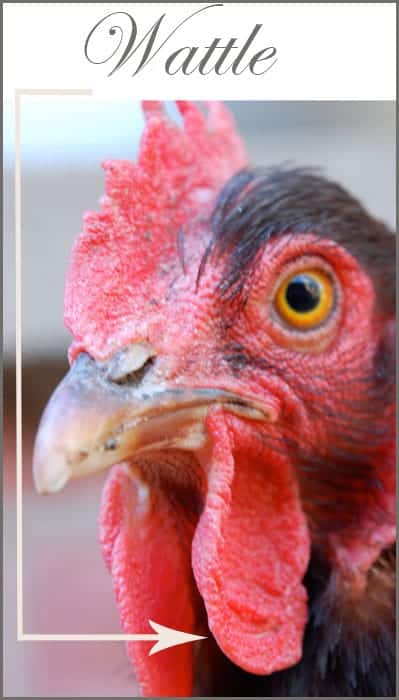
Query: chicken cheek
x,y
251,550
150,566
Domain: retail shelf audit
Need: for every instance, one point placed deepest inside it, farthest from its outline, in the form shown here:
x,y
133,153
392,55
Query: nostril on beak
x,y
130,365
135,377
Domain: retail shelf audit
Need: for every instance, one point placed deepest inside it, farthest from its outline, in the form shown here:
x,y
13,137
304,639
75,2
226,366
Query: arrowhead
x,y
169,637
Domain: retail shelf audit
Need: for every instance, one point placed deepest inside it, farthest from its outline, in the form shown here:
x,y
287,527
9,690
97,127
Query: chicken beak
x,y
92,422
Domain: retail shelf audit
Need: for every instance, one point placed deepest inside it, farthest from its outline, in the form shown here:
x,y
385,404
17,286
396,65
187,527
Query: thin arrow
x,y
164,638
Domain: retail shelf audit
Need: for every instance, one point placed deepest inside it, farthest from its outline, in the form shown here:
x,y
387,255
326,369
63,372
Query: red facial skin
x,y
251,545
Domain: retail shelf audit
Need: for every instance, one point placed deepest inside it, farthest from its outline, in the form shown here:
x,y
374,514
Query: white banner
x,y
204,50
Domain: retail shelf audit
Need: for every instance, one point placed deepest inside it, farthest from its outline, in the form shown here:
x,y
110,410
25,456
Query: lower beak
x,y
91,423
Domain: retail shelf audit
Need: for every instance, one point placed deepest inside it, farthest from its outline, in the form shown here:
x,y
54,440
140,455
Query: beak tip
x,y
45,485
49,474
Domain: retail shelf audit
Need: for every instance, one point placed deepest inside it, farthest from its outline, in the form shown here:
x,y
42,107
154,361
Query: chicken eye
x,y
305,299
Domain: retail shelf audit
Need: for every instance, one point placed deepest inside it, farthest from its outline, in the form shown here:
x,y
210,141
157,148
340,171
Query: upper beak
x,y
94,420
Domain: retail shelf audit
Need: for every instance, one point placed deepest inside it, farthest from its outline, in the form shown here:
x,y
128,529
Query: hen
x,y
233,358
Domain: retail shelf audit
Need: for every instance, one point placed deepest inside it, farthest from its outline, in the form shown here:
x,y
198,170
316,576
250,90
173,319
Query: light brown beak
x,y
94,420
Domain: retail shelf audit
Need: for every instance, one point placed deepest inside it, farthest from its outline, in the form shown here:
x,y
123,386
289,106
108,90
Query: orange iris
x,y
305,299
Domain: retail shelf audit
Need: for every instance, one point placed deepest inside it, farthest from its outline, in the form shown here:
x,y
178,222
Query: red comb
x,y
129,248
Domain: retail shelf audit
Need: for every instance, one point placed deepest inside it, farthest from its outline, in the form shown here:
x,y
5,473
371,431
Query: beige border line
x,y
21,637
90,637
18,362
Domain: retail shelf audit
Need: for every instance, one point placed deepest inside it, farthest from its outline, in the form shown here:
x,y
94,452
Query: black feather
x,y
257,204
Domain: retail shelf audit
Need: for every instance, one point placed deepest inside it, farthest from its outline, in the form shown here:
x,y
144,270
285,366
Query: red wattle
x,y
149,560
251,550
249,554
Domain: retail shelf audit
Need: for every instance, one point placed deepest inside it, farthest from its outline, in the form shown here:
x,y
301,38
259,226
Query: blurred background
x,y
64,139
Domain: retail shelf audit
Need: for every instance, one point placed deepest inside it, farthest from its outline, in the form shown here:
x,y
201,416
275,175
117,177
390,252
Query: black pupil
x,y
303,293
